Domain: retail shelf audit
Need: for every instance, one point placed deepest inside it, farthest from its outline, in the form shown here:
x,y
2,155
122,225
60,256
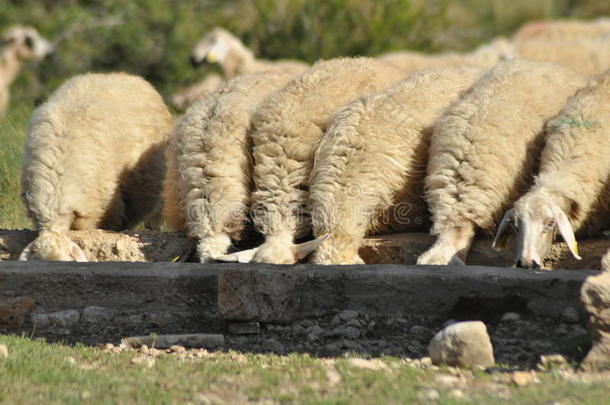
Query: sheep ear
x,y
302,250
244,256
77,253
566,231
503,235
27,252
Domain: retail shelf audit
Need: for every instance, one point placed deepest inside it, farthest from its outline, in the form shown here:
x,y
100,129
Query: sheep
x,y
589,56
369,167
287,125
483,150
562,30
18,44
485,56
572,189
188,96
222,47
207,188
93,159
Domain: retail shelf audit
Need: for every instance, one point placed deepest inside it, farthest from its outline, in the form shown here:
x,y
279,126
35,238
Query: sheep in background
x,y
222,47
207,188
188,96
370,165
572,189
589,56
93,159
17,45
485,56
563,30
287,125
484,148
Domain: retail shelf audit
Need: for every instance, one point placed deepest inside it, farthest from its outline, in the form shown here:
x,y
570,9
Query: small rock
x,y
40,321
430,395
273,346
553,361
373,364
315,333
570,315
245,328
421,333
145,361
333,377
446,381
177,349
95,314
424,362
510,317
108,346
462,344
595,298
64,319
456,394
144,349
3,351
521,378
200,340
348,332
347,315
354,322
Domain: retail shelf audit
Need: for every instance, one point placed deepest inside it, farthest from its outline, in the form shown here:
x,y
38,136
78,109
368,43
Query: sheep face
x,y
534,220
55,246
30,45
213,48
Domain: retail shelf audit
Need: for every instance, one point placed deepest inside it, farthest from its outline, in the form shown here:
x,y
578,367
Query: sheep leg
x,y
450,247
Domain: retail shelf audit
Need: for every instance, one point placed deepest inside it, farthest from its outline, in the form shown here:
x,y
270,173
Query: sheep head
x,y
534,220
52,245
214,47
28,43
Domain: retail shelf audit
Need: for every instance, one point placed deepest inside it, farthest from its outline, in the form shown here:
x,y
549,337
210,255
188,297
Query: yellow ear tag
x,y
176,259
211,57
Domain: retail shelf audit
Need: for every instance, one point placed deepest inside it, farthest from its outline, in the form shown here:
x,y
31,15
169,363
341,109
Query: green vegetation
x,y
36,372
153,38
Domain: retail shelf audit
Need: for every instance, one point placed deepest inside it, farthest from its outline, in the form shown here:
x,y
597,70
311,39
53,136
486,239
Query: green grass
x,y
36,372
12,133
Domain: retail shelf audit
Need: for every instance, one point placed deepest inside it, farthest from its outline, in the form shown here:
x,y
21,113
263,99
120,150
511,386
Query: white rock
x,y
462,344
3,351
570,315
97,314
64,319
511,317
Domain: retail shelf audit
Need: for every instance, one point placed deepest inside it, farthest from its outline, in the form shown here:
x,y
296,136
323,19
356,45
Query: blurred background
x,y
153,38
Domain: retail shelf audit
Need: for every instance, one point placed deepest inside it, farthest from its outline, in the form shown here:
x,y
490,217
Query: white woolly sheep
x,y
18,44
369,167
222,47
589,56
182,99
207,188
484,148
93,159
485,56
287,125
572,189
563,29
